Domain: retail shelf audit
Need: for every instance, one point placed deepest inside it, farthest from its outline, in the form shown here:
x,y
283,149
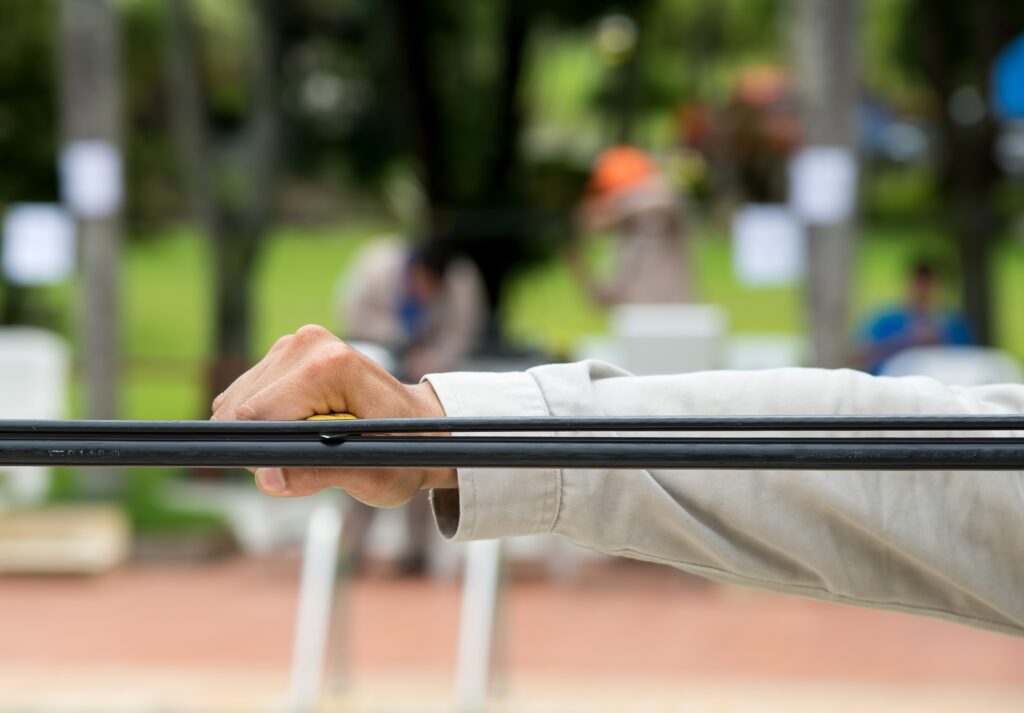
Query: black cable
x,y
299,429
532,452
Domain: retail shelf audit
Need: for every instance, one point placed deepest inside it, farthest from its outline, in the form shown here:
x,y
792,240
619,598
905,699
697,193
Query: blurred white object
x,y
91,180
39,244
669,338
765,350
260,524
316,606
66,539
376,352
768,247
823,184
601,347
476,625
35,367
956,365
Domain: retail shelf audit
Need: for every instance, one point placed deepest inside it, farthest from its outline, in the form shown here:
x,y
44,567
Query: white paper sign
x,y
38,244
90,178
767,246
823,184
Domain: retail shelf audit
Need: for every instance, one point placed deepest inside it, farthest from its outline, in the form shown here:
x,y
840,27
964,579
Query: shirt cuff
x,y
494,502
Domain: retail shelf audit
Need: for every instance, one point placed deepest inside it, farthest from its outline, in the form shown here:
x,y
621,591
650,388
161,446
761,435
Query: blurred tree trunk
x,y
235,222
483,217
958,44
90,107
504,164
421,104
825,40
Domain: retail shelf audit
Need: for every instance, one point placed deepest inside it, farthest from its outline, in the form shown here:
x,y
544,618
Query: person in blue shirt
x,y
922,321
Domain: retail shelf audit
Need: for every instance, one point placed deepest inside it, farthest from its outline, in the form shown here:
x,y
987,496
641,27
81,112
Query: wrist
x,y
428,405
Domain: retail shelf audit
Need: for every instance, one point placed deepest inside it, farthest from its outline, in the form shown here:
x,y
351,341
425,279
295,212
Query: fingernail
x,y
271,480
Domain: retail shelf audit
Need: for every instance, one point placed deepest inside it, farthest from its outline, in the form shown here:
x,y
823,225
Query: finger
x,y
283,355
379,487
292,482
290,398
252,380
314,386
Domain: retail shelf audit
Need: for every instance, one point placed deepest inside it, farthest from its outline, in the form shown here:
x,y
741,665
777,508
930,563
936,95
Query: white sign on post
x,y
38,244
767,246
823,184
91,179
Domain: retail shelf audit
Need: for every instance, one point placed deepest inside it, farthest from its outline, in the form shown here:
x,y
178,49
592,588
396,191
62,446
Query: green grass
x,y
166,301
298,279
166,297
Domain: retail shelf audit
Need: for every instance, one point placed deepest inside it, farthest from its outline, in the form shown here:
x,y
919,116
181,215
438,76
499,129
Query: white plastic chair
x,y
765,350
34,373
956,365
669,338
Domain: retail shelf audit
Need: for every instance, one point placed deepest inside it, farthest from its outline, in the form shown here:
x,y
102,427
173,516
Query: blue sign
x,y
1008,81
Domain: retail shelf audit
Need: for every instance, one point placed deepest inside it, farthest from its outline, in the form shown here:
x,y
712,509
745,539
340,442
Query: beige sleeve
x,y
945,544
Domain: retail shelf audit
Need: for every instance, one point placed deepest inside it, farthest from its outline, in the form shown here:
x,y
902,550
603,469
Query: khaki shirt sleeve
x,y
945,544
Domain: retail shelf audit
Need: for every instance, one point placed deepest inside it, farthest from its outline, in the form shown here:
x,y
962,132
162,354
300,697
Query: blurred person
x,y
426,306
423,303
941,544
921,321
629,195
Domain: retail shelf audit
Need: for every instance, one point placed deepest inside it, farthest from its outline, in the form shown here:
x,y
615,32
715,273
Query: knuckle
x,y
327,362
338,355
311,334
247,412
281,343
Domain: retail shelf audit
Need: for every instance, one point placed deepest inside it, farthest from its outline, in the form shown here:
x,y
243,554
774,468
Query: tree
x,y
231,191
28,128
951,46
463,121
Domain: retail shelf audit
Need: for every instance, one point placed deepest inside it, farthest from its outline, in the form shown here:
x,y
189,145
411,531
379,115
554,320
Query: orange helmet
x,y
619,167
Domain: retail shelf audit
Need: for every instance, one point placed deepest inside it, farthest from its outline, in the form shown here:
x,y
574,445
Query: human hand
x,y
313,372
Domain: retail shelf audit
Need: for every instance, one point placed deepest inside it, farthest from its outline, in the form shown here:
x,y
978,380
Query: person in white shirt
x,y
629,195
423,303
944,544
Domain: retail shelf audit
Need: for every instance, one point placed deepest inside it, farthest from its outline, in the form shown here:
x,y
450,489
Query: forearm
x,y
935,543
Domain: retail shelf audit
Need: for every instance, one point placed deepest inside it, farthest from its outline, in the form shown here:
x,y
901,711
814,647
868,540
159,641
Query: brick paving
x,y
624,636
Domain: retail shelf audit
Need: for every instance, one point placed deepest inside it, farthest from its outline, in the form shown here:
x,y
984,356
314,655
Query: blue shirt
x,y
895,330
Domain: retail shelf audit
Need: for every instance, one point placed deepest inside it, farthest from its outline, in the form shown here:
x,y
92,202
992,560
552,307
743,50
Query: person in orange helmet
x,y
629,195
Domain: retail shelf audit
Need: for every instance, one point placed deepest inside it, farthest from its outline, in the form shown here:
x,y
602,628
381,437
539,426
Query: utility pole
x,y
825,45
89,64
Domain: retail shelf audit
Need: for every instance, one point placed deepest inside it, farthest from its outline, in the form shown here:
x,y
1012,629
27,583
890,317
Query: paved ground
x,y
623,637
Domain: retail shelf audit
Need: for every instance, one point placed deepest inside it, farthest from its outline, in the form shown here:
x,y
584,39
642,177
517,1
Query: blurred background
x,y
671,185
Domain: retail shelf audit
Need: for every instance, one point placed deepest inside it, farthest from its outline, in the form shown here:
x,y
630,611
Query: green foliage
x,y
145,502
28,107
166,300
897,195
